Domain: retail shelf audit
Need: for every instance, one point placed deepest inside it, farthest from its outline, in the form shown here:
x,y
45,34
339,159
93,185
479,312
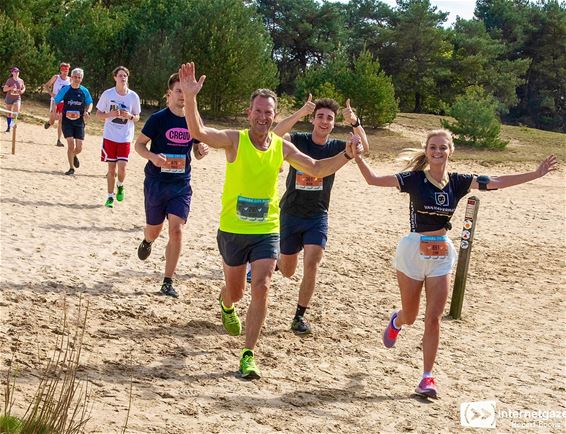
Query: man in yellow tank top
x,y
249,223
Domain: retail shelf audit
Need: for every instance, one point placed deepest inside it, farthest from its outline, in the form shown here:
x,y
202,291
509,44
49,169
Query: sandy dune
x,y
57,238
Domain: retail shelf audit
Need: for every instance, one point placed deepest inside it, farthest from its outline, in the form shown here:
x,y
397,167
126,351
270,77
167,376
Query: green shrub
x,y
476,123
318,82
372,92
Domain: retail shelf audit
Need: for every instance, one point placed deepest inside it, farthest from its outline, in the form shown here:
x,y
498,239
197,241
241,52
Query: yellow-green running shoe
x,y
230,319
248,368
120,194
109,202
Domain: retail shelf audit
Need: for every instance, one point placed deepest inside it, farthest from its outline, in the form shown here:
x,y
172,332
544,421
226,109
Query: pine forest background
x,y
385,59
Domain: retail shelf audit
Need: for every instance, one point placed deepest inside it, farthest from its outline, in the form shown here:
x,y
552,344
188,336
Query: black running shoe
x,y
144,250
60,143
167,289
46,125
76,162
300,326
71,171
8,129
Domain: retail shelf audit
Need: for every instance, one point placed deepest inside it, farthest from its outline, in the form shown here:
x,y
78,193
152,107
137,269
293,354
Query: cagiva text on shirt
x,y
169,136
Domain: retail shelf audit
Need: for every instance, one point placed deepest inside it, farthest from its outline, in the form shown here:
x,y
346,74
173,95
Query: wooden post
x,y
470,220
14,128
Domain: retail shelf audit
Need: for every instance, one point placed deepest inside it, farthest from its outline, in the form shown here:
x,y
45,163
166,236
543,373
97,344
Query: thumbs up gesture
x,y
308,108
348,113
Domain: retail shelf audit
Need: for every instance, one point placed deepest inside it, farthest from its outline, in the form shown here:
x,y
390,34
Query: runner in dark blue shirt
x,y
304,205
426,255
77,104
167,187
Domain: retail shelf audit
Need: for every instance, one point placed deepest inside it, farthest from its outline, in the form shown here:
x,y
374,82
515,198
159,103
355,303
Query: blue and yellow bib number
x,y
434,247
253,210
175,163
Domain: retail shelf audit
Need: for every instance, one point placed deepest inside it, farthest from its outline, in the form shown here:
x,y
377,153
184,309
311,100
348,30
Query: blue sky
x,y
462,8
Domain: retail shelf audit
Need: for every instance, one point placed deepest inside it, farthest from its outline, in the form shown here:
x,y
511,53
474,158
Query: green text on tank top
x,y
250,199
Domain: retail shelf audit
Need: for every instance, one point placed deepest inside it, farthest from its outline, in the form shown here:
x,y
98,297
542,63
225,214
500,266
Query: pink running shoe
x,y
427,387
390,333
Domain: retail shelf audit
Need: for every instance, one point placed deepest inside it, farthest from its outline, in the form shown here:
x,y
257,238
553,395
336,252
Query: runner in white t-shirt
x,y
120,107
52,87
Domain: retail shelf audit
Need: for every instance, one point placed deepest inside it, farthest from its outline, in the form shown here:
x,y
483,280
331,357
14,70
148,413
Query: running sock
x,y
168,280
226,309
427,374
111,195
300,311
119,184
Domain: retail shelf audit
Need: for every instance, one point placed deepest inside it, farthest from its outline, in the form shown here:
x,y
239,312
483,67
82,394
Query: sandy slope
x,y
57,238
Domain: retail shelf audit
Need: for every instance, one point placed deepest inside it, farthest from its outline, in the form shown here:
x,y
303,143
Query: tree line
x,y
386,59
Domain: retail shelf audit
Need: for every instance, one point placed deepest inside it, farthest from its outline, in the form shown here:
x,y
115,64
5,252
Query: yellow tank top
x,y
250,199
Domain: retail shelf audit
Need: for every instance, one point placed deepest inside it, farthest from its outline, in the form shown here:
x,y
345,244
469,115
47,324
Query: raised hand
x,y
348,113
187,79
549,164
309,107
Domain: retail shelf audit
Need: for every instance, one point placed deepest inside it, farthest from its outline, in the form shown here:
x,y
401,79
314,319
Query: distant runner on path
x,y
120,108
14,88
52,87
77,104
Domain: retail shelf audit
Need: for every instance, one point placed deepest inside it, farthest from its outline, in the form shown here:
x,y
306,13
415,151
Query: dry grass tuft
x,y
61,404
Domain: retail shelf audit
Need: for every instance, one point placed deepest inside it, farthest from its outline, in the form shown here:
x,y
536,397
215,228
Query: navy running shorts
x,y
298,231
238,249
74,130
169,197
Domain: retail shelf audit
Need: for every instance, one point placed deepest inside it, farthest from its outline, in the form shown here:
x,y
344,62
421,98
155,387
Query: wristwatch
x,y
357,124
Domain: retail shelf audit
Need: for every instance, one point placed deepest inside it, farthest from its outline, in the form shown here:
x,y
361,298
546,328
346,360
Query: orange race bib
x,y
434,247
175,163
72,115
306,182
